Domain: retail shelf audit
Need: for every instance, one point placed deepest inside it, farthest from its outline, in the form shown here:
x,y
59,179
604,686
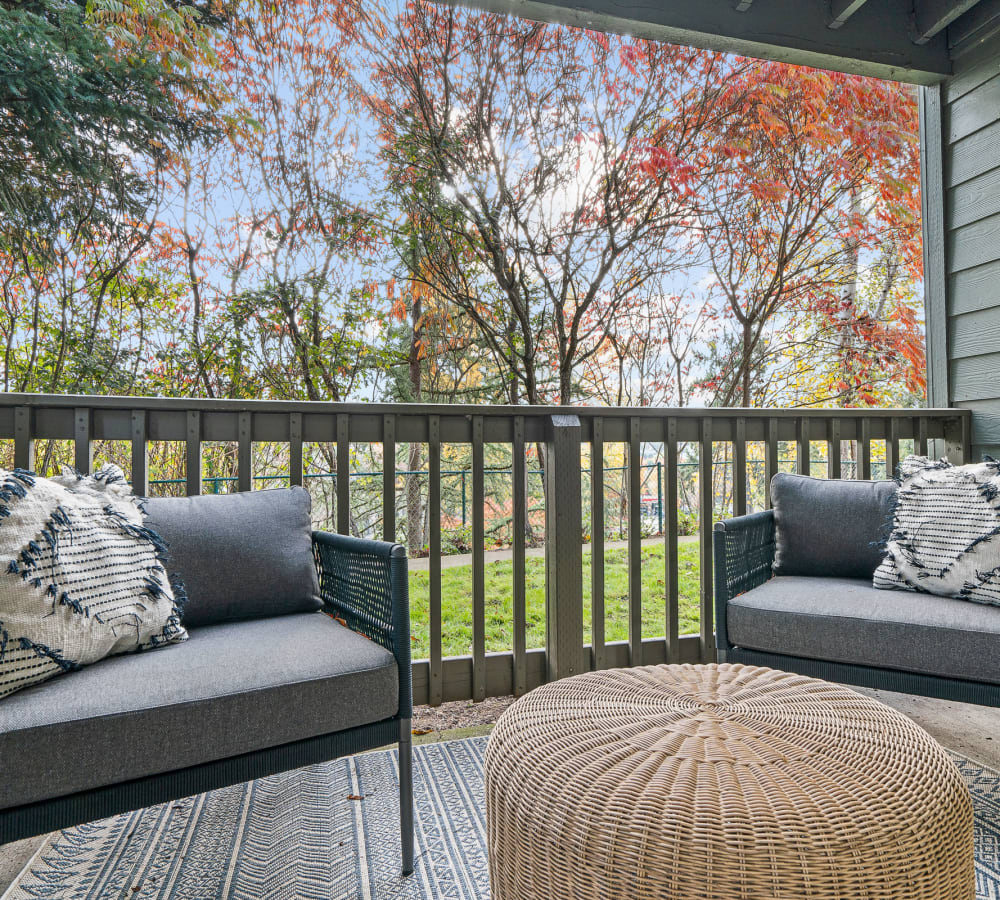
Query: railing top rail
x,y
92,401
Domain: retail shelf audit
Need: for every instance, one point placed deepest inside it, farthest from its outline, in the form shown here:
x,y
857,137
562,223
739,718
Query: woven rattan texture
x,y
365,583
749,551
723,782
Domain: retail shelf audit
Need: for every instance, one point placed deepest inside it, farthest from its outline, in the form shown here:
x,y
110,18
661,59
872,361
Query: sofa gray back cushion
x,y
827,528
240,556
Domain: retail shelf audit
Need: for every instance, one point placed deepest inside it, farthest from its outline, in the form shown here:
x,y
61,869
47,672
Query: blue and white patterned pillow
x,y
946,531
81,577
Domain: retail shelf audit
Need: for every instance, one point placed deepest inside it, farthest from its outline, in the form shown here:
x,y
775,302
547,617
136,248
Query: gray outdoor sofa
x,y
249,694
793,591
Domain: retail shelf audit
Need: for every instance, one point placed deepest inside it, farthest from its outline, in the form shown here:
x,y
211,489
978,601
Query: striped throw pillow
x,y
946,531
81,577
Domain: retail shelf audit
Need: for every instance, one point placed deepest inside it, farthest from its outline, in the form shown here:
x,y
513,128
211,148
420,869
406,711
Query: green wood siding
x,y
969,179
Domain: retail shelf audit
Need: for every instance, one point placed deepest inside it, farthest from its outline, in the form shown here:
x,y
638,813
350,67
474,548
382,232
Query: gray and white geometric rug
x,y
298,836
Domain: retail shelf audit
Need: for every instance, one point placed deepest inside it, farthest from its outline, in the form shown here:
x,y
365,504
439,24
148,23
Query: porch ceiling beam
x,y
978,25
842,10
873,41
932,16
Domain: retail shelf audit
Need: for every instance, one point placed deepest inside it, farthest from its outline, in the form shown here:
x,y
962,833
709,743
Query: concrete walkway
x,y
423,563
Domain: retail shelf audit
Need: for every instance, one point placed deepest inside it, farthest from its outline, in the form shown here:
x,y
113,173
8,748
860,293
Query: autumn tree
x,y
268,228
651,349
95,99
92,96
819,171
554,159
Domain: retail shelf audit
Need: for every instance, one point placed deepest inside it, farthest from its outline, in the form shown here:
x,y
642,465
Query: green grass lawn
x,y
456,601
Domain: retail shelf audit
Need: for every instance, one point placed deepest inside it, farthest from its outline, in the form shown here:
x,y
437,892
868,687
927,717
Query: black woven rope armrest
x,y
365,583
744,554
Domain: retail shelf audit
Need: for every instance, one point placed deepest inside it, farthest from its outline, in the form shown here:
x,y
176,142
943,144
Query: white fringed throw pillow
x,y
81,578
946,531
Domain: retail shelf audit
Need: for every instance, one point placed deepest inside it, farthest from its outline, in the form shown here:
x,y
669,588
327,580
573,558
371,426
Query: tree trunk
x,y
414,502
850,300
747,366
414,505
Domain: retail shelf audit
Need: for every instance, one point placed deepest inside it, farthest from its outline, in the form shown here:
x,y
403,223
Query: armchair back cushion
x,y
240,556
830,528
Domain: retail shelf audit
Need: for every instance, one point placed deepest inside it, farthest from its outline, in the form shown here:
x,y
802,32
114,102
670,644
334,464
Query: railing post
x,y
24,439
519,518
563,548
389,478
83,445
193,459
295,449
343,473
659,493
958,440
140,454
244,454
634,497
434,688
706,525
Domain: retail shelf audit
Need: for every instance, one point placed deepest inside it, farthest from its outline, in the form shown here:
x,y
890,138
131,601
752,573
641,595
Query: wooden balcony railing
x,y
564,432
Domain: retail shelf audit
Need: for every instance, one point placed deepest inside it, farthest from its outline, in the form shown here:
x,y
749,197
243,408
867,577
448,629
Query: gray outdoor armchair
x,y
240,699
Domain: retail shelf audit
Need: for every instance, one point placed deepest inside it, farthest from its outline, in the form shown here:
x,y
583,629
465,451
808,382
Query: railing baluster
x,y
802,461
833,452
597,543
740,467
140,454
634,543
83,446
921,445
435,686
389,478
563,548
519,484
295,449
244,453
670,567
478,564
770,458
966,439
706,513
344,473
193,458
24,439
865,449
958,440
892,448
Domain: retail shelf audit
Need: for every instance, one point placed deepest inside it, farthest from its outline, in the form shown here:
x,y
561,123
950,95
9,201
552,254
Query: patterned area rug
x,y
299,836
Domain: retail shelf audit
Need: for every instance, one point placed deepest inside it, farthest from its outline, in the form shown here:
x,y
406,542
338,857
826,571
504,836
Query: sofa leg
x,y
406,794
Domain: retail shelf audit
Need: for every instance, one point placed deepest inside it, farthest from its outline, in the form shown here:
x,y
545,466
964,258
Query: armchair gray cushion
x,y
847,620
240,556
230,689
830,528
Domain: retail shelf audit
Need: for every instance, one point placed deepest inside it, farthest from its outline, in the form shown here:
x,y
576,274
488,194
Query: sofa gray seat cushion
x,y
231,688
847,620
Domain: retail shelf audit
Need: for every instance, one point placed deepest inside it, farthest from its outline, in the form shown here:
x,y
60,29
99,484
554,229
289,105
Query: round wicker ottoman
x,y
720,782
